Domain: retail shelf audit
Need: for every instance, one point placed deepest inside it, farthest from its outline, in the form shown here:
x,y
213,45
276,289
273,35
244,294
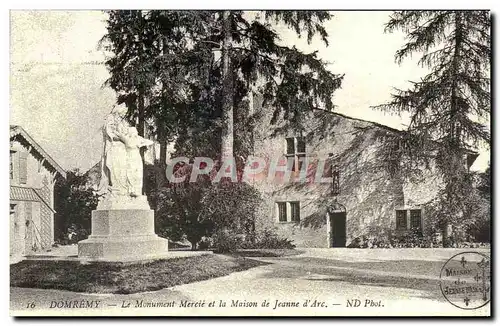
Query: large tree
x,y
448,108
170,58
196,70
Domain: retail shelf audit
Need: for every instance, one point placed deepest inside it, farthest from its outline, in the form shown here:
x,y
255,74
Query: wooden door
x,y
338,229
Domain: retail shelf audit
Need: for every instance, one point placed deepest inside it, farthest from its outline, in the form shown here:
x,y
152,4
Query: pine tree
x,y
449,106
170,55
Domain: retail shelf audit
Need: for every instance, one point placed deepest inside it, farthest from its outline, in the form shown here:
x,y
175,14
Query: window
x,y
296,148
23,167
408,219
401,220
415,219
295,211
282,212
288,211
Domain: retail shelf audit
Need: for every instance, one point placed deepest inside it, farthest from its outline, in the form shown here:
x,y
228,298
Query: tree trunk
x,y
140,108
162,164
194,243
140,131
455,136
227,96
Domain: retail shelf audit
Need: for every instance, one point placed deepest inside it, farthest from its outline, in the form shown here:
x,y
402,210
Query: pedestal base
x,y
122,235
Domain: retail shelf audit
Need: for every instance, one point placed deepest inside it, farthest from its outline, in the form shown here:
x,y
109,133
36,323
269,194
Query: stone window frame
x,y
290,218
408,211
298,156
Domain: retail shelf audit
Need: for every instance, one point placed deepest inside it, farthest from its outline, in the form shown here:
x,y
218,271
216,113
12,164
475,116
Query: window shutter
x,y
282,212
416,219
295,210
290,146
301,145
23,167
401,222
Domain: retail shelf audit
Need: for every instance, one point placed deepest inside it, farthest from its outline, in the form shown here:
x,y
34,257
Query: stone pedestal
x,y
122,234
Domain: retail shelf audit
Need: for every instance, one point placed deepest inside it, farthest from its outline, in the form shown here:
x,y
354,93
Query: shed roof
x,y
27,194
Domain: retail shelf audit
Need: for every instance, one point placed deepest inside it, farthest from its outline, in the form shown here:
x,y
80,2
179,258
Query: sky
x,y
57,76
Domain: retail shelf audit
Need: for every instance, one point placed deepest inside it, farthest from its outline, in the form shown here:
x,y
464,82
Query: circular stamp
x,y
465,280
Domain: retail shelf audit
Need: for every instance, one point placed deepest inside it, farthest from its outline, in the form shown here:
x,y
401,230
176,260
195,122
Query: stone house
x,y
32,177
370,201
367,201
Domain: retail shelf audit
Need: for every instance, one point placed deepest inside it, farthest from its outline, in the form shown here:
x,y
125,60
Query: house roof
x,y
23,194
358,119
27,194
472,155
18,133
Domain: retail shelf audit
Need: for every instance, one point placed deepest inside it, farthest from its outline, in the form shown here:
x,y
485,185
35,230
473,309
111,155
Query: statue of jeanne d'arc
x,y
121,163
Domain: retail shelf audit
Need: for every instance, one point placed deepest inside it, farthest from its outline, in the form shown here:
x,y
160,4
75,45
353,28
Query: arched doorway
x,y
336,222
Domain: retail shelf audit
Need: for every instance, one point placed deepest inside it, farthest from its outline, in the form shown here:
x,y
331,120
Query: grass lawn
x,y
124,278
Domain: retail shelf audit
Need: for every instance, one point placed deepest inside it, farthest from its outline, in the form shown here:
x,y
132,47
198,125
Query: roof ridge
x,y
359,119
18,130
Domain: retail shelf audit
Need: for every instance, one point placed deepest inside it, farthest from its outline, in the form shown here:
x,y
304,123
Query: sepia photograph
x,y
232,163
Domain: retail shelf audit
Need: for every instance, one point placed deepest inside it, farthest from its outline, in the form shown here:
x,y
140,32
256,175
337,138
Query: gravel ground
x,y
384,282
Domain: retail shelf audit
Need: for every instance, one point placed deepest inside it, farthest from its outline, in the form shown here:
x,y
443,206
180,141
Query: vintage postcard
x,y
250,163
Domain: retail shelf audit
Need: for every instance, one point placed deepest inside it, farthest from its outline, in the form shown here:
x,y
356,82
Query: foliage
x,y
387,238
484,183
231,205
184,71
179,215
383,237
198,209
171,58
225,241
75,201
449,106
268,239
479,227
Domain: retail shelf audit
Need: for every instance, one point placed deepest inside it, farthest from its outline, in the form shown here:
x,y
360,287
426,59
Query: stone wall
x,y
370,195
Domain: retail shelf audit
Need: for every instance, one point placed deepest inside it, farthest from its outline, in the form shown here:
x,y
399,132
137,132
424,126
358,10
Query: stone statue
x,y
123,224
133,142
121,163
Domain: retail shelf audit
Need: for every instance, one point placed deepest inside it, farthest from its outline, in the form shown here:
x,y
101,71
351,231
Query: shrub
x,y
268,240
386,239
74,201
225,242
199,209
205,243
